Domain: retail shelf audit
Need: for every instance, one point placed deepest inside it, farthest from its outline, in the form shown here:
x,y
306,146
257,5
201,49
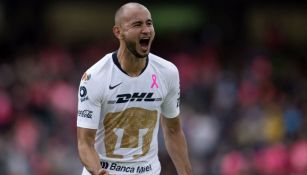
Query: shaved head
x,y
134,29
121,12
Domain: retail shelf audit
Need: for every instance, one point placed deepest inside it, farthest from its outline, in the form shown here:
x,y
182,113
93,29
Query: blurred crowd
x,y
243,106
244,115
245,118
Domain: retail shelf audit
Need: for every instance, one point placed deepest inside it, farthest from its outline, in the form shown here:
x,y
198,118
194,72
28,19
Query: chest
x,y
147,91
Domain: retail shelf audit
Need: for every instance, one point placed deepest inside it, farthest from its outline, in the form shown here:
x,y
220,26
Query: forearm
x,y
89,158
176,146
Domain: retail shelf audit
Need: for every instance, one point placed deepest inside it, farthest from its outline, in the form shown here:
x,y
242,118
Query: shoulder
x,y
97,74
100,65
166,67
99,69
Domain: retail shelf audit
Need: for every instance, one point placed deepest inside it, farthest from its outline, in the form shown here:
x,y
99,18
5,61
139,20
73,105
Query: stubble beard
x,y
132,48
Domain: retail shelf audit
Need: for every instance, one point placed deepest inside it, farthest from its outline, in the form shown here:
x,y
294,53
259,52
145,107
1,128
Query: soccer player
x,y
123,98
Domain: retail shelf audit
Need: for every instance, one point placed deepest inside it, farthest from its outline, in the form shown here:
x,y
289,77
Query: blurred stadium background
x,y
243,67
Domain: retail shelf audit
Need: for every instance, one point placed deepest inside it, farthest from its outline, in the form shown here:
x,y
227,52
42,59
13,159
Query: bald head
x,y
134,29
124,9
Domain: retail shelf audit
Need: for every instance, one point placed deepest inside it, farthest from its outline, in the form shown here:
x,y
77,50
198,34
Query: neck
x,y
131,64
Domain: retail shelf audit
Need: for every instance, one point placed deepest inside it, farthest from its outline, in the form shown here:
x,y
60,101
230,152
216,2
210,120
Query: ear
x,y
117,32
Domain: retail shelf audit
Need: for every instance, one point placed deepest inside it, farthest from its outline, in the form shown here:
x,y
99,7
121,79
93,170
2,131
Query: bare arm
x,y
176,144
87,152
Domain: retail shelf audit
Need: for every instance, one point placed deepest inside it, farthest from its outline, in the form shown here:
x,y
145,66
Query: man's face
x,y
138,31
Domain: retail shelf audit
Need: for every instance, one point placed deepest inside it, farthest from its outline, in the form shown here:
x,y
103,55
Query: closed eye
x,y
149,23
137,24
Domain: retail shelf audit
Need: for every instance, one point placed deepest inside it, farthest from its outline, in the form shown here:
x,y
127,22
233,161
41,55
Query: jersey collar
x,y
116,62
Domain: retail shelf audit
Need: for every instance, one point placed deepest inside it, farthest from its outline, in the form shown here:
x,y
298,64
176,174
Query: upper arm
x,y
86,136
89,103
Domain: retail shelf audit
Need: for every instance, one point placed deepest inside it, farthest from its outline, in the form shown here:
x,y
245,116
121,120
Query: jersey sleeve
x,y
89,103
170,106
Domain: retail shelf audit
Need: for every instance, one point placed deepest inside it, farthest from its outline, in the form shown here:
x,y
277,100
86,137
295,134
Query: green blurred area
x,y
179,18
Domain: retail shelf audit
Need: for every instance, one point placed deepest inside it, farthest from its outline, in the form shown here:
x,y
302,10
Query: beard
x,y
131,46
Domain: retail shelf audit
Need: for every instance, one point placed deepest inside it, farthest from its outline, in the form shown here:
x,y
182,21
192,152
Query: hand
x,y
103,172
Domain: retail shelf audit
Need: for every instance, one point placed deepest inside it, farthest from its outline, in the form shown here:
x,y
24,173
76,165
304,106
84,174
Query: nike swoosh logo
x,y
112,87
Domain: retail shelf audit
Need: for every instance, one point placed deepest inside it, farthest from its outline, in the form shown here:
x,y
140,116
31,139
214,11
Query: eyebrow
x,y
140,21
137,22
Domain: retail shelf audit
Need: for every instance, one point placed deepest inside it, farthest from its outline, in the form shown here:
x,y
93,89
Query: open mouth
x,y
144,42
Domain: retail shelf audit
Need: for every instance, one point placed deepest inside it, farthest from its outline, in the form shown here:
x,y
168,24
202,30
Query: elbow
x,y
83,145
174,131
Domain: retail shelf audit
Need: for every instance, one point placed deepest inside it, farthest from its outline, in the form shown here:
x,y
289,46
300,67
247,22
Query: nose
x,y
146,29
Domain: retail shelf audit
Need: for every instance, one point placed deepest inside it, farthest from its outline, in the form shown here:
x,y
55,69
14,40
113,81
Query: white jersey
x,y
126,111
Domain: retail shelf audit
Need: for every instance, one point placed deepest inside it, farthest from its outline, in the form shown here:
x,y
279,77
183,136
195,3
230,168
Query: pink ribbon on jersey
x,y
154,81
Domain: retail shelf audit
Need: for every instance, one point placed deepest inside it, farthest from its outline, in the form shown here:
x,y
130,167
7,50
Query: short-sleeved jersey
x,y
125,111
